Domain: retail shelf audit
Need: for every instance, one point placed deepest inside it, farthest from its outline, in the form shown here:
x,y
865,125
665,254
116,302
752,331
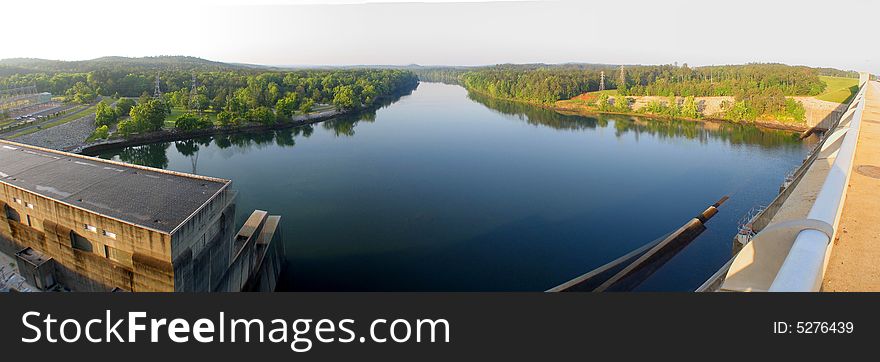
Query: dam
x,y
86,224
819,233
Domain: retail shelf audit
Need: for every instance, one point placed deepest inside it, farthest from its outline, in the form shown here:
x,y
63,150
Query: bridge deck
x,y
855,259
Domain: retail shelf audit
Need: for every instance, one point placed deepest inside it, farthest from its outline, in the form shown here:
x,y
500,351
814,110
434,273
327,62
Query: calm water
x,y
442,190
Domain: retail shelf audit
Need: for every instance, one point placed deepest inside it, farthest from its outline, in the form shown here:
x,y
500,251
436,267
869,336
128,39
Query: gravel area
x,y
65,137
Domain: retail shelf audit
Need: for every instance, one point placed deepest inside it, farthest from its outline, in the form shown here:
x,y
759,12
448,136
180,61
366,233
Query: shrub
x,y
102,132
261,115
621,104
190,122
602,102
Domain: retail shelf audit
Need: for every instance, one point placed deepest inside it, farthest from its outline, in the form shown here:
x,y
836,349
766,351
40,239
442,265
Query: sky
x,y
823,33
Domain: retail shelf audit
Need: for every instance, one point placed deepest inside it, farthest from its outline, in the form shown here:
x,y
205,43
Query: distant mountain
x,y
144,63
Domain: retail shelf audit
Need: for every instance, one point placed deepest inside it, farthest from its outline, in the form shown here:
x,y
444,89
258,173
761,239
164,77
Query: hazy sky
x,y
836,33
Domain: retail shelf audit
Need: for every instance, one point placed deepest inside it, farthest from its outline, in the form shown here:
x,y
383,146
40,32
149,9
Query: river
x,y
446,191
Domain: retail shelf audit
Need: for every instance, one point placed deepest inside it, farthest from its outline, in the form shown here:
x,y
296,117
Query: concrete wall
x,y
93,252
204,257
142,256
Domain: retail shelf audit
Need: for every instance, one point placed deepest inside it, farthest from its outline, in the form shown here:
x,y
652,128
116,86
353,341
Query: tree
x,y
105,115
306,106
200,102
672,109
621,104
285,107
602,102
345,98
741,112
234,90
81,93
123,107
689,107
368,94
262,115
148,116
190,122
225,118
127,127
102,132
794,112
653,107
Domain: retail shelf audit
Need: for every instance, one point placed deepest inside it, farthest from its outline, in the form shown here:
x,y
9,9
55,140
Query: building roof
x,y
152,198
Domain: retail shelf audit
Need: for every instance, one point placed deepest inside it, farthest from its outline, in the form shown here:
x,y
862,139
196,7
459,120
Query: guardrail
x,y
804,268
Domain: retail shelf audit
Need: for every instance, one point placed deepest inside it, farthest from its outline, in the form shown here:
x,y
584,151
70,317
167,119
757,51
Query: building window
x,y
79,242
90,228
29,205
117,255
17,200
11,214
29,221
108,234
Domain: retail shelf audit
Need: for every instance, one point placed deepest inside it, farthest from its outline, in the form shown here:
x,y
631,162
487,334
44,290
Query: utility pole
x,y
192,94
157,93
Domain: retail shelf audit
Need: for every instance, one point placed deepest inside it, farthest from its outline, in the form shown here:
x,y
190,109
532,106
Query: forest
x,y
232,95
758,89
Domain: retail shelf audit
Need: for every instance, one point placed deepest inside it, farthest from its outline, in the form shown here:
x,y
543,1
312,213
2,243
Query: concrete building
x,y
113,226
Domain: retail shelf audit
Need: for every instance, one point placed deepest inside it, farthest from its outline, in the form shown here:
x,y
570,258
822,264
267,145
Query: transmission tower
x,y
192,94
157,92
602,81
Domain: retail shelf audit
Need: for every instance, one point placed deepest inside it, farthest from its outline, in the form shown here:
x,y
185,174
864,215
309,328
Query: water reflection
x,y
638,125
153,155
449,191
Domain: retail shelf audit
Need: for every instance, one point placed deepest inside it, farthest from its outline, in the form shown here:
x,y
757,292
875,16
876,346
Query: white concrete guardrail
x,y
804,268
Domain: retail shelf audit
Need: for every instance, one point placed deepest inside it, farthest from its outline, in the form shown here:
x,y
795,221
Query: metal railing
x,y
804,267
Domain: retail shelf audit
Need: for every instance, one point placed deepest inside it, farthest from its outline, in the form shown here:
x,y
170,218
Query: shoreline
x,y
171,135
758,123
804,130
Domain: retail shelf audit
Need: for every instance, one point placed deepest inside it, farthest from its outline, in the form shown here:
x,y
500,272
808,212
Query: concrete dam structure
x,y
89,224
820,233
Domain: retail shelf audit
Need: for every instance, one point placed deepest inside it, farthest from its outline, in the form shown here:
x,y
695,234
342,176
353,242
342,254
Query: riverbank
x,y
169,135
74,136
580,108
774,125
818,112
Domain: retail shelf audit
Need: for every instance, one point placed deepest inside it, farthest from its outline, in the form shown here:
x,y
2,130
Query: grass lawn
x,y
839,90
322,107
590,97
179,111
